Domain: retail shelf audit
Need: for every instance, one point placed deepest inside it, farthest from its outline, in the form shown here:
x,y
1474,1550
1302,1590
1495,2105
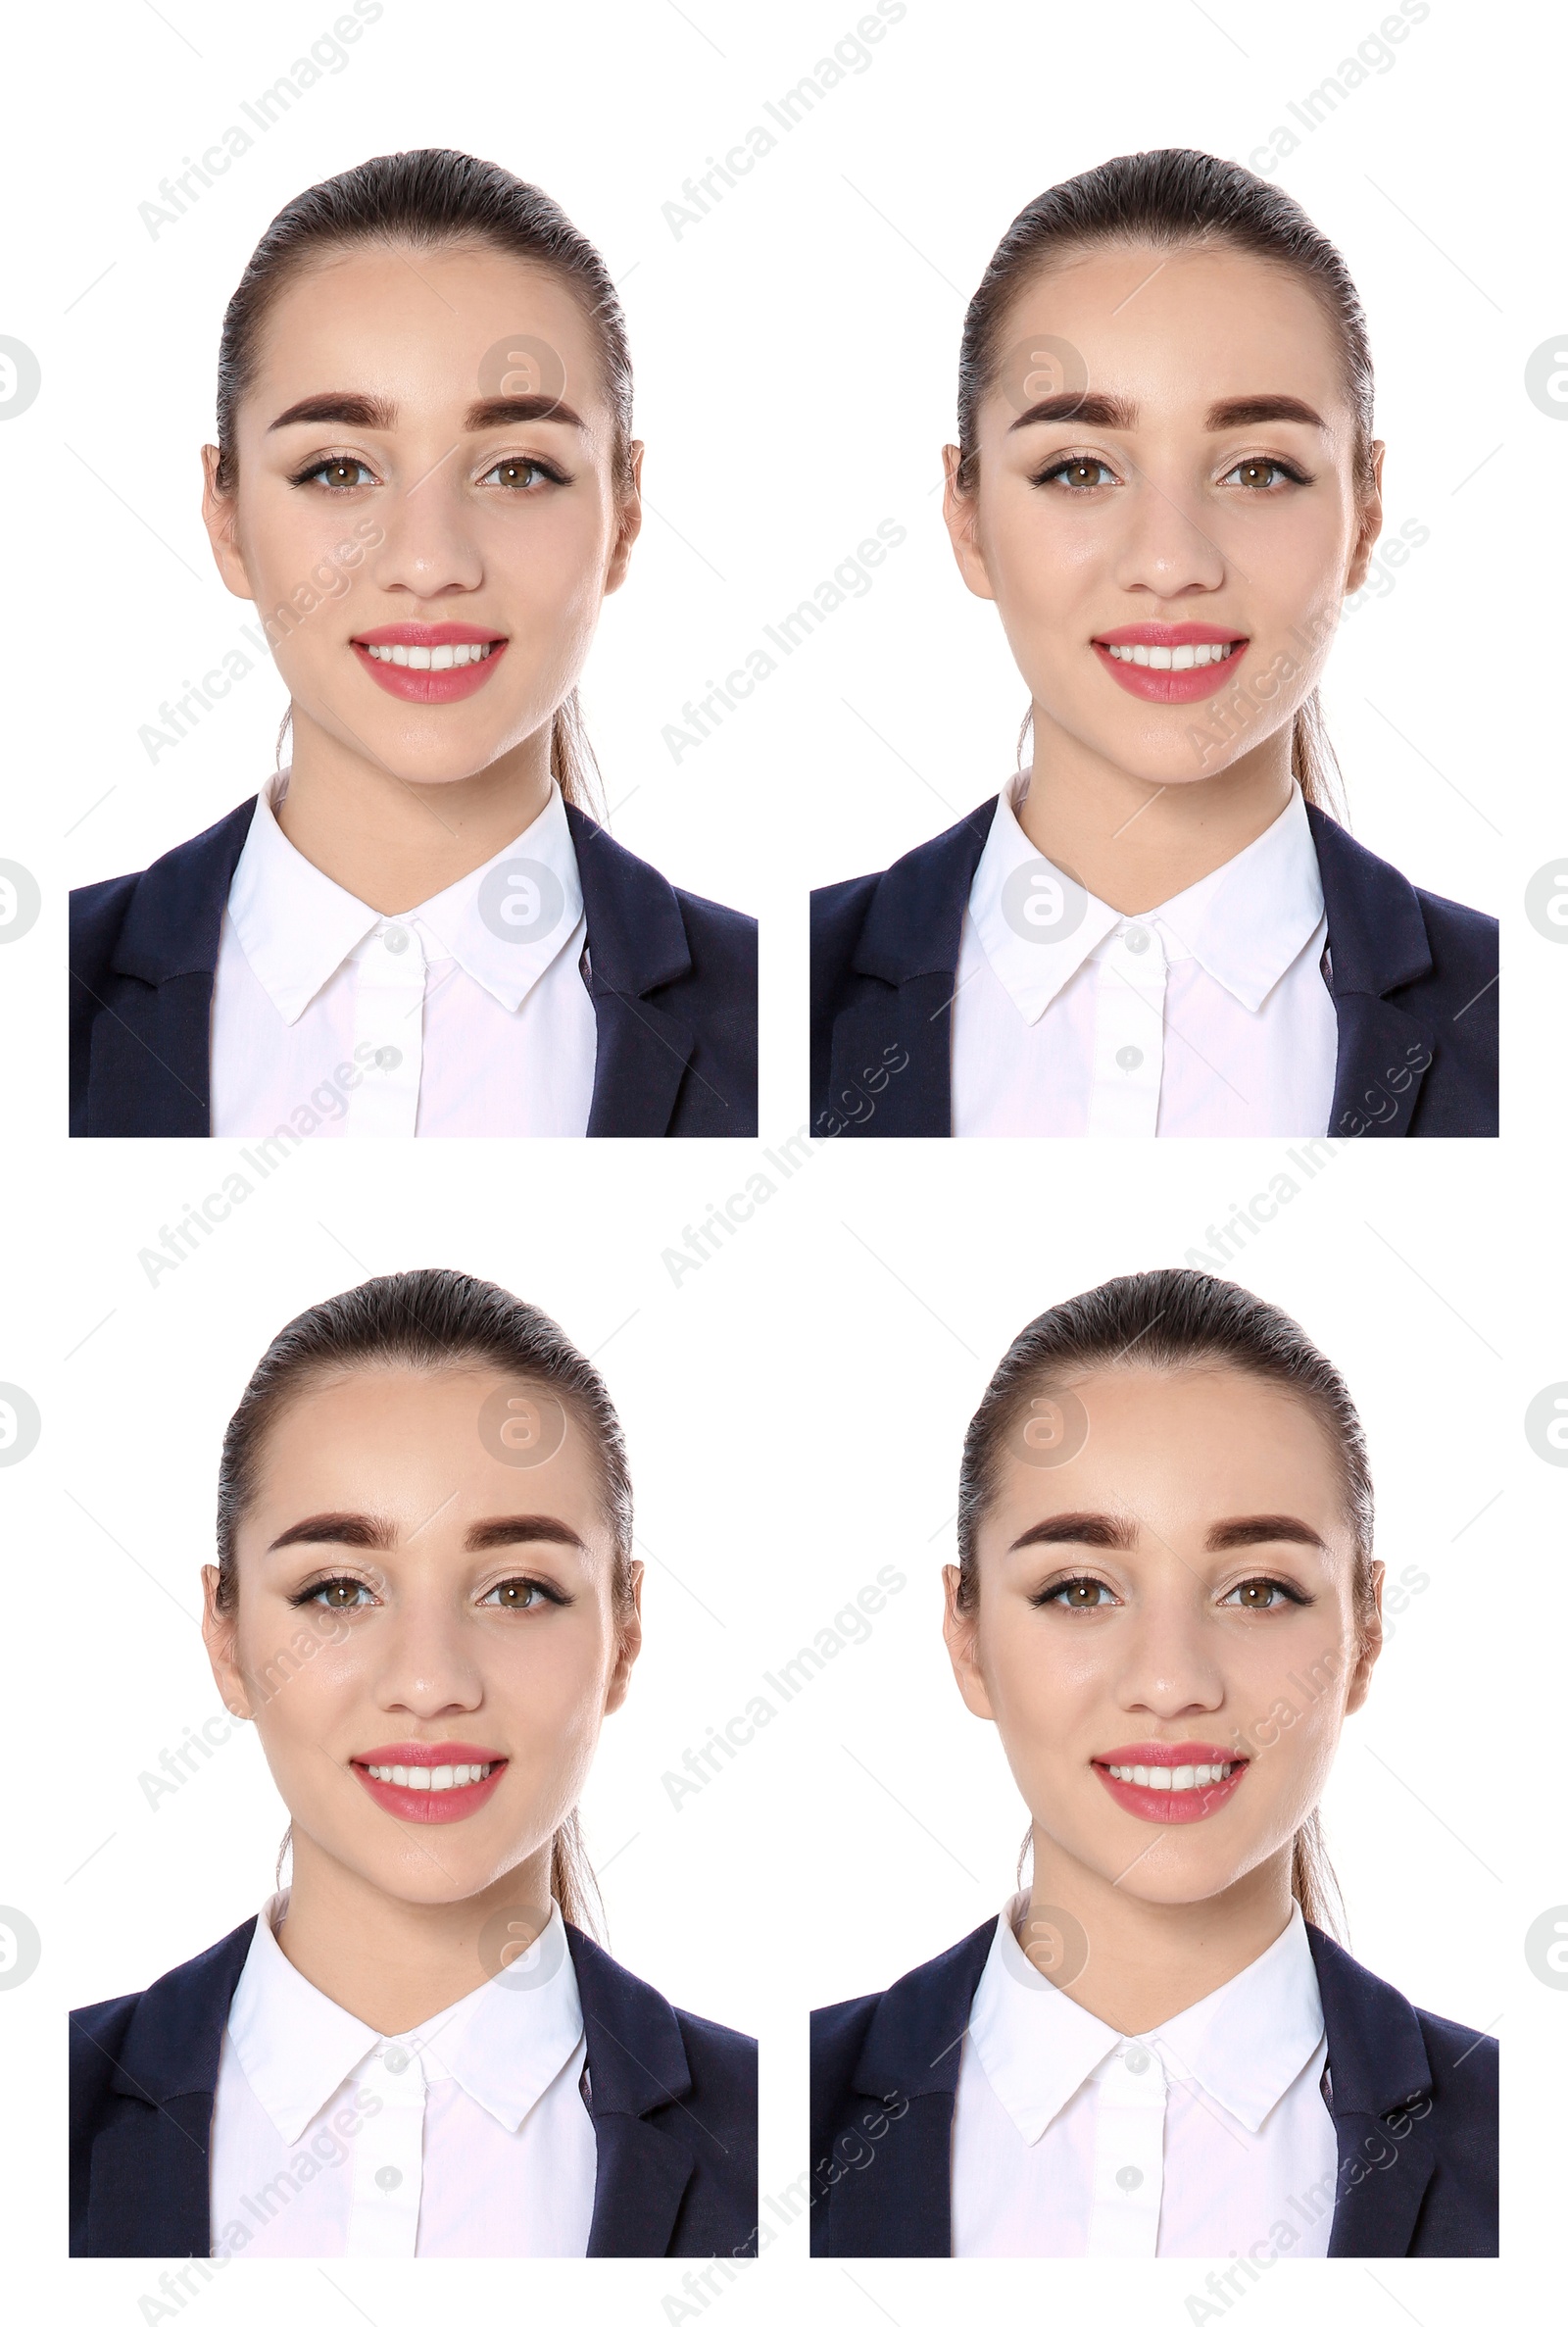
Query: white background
x,y
796,1408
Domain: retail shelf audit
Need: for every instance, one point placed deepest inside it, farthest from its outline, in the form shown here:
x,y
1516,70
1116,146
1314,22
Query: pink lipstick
x,y
430,1785
429,662
1170,1785
1170,662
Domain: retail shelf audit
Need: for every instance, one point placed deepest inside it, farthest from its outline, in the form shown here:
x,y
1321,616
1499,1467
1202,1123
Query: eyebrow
x,y
1115,412
362,1532
1108,1531
349,410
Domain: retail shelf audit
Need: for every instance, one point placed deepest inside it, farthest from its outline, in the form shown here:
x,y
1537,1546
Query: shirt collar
x,y
296,928
1245,2044
503,2043
1244,923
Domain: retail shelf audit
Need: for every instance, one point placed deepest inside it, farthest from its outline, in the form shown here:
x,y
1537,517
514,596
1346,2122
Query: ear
x,y
628,524
961,1632
960,514
219,514
1371,1647
628,1645
1369,526
220,1631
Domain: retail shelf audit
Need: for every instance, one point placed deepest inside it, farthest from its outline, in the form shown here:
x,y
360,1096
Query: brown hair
x,y
1164,1320
432,196
432,1318
1168,199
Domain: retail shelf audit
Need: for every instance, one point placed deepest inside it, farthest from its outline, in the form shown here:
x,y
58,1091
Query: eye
x,y
338,476
521,1593
1261,1593
524,476
1258,477
337,1592
1077,473
1077,1591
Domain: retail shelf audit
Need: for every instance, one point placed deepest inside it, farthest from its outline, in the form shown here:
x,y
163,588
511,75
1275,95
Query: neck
x,y
1147,1960
393,1962
393,842
1134,844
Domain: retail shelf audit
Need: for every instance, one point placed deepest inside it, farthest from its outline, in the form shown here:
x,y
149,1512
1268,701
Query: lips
x,y
441,679
1177,1801
431,1801
1153,683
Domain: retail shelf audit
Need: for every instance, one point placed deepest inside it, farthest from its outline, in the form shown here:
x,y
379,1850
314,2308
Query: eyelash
x,y
1297,477
312,1593
315,468
1051,1594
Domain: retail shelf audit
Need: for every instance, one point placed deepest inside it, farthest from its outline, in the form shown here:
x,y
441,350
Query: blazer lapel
x,y
1380,2081
900,2201
892,1052
636,943
149,1073
636,2064
1377,943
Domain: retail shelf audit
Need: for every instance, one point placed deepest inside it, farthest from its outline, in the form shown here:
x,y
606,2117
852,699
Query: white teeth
x,y
1180,1779
439,1780
1180,658
433,657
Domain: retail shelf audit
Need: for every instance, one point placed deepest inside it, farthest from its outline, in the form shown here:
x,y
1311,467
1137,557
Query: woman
x,y
1167,480
425,478
425,1600
1166,1601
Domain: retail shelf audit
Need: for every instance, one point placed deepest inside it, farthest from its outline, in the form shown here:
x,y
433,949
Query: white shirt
x,y
1208,2136
467,1018
1205,1018
468,2136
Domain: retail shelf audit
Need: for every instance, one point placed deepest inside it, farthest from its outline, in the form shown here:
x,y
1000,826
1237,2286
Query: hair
x,y
433,1319
424,198
1162,1320
1170,199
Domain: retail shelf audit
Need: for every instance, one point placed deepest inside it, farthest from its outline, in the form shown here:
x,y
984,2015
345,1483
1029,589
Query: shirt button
x,y
396,941
1136,2063
388,2177
1128,2179
396,2060
1129,1057
1136,941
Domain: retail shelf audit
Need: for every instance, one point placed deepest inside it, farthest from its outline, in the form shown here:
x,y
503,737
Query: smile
x,y
429,662
1170,662
430,1785
1170,1785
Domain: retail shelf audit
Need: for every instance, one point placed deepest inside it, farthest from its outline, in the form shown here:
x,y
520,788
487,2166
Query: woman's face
x,y
426,465
1173,1596
1165,465
424,1579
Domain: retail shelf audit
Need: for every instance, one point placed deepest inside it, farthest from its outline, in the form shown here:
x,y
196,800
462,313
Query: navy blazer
x,y
1414,2108
1414,981
674,2102
672,979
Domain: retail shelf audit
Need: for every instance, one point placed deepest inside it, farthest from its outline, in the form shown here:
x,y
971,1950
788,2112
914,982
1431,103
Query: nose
x,y
1169,1669
429,548
425,1666
1166,550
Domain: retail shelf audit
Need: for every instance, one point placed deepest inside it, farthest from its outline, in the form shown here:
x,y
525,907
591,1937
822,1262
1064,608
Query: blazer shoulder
x,y
717,934
1459,930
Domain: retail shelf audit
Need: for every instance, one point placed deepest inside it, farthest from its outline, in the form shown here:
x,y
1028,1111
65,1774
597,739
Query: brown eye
x,y
1256,1595
514,1592
341,1592
1082,1592
1256,472
340,474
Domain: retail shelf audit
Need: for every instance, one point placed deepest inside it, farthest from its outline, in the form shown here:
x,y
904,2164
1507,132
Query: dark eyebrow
x,y
373,412
1102,1529
1080,404
487,1535
1250,412
1234,1535
339,1526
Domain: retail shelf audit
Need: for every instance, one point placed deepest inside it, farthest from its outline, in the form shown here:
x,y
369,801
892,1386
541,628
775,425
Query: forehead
x,y
1174,330
439,1448
425,326
1181,1450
